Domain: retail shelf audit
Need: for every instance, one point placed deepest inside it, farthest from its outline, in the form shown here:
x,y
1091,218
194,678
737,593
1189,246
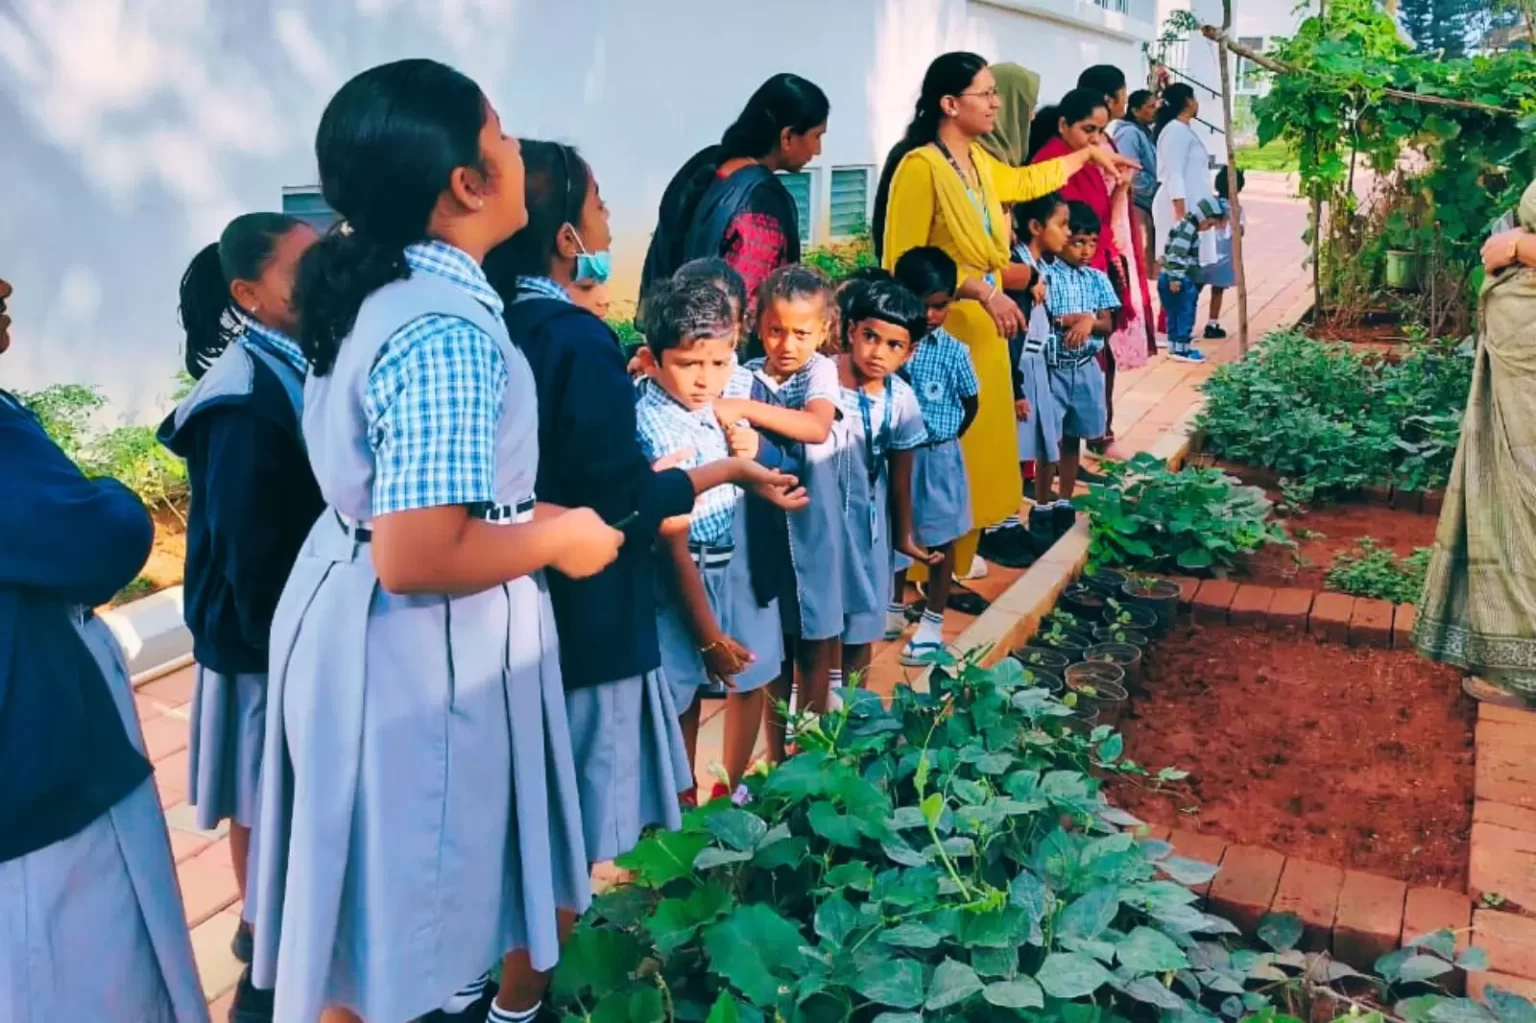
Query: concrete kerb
x,y
153,634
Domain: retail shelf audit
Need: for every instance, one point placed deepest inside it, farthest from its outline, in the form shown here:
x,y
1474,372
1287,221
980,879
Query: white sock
x,y
465,996
500,1015
834,683
929,630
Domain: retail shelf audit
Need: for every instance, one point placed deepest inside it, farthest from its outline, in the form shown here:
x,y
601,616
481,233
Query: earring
x,y
479,204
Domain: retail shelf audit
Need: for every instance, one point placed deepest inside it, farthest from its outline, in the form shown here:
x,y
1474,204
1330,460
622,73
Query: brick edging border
x,y
1328,616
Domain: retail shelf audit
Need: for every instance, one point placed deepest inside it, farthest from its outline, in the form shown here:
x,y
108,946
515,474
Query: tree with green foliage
x,y
1440,26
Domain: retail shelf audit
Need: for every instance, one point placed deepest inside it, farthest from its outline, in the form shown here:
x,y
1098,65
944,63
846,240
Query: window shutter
x,y
850,201
799,186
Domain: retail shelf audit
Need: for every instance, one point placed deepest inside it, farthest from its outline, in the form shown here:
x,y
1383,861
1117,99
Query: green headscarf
x,y
1019,90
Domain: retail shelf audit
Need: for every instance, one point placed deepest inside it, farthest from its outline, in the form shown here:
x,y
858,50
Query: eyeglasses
x,y
989,94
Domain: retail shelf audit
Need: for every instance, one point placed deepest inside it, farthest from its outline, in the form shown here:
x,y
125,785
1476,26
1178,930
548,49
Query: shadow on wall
x,y
133,130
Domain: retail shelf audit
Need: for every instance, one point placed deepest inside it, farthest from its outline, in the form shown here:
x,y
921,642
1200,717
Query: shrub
x,y
1329,420
1374,571
1145,516
839,259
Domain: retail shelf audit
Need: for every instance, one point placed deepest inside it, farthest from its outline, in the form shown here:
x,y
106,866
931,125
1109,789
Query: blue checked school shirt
x,y
1071,291
664,425
1181,257
816,379
276,342
434,398
941,374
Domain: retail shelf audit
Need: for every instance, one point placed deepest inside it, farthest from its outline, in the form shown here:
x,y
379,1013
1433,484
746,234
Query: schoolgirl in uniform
x,y
630,757
427,820
799,383
943,377
91,918
880,321
253,501
1042,227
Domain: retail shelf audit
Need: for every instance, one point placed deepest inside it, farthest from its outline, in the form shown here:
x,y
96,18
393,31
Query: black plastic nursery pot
x,y
1121,634
1124,656
1070,642
1131,616
1053,661
1044,678
1100,690
1105,580
1158,595
1084,601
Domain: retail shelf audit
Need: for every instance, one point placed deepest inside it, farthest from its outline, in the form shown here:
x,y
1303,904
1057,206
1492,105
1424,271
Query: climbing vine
x,y
1406,150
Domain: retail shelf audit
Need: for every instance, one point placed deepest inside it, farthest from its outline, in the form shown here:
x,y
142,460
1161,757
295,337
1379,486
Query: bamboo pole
x,y
1235,219
1219,37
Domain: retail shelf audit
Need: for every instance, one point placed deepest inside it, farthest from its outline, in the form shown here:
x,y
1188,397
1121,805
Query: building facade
x,y
134,130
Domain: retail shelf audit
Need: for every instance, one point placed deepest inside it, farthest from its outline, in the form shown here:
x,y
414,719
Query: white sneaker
x,y
978,571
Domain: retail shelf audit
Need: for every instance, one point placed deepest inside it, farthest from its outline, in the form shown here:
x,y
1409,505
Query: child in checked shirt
x,y
944,380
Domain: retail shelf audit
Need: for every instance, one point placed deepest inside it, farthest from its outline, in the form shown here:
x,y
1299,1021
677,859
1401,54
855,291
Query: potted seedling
x,y
1100,688
1124,656
1121,634
1105,580
1130,616
1083,601
1043,678
1161,596
1071,642
1053,661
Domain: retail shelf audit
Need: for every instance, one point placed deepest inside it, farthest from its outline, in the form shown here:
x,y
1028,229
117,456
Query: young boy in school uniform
x,y
1081,303
1178,285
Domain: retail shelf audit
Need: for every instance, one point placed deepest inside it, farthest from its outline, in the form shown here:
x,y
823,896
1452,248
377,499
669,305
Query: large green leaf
x,y
1148,951
894,982
663,856
675,921
953,983
1280,931
836,918
1019,993
757,951
738,829
1087,916
1071,975
597,960
838,828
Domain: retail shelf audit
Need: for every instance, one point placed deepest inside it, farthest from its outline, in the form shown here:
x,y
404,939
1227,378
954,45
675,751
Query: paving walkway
x,y
1149,402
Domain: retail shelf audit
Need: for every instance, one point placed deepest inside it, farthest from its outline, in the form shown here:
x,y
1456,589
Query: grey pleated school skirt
x,y
941,496
1040,434
229,720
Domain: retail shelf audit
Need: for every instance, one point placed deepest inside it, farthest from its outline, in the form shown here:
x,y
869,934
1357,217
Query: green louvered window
x,y
799,186
850,201
308,206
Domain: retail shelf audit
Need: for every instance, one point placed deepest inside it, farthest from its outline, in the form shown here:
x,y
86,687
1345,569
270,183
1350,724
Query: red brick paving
x,y
1369,920
1311,891
1246,885
1290,609
1213,599
1331,615
1371,624
1250,606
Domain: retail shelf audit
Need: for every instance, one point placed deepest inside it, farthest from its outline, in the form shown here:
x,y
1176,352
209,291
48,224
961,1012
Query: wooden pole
x,y
1235,220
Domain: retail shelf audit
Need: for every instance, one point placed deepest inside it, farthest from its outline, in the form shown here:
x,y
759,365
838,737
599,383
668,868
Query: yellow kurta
x,y
913,218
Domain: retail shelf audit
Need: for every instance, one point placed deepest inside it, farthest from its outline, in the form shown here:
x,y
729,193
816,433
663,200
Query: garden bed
x,y
1356,758
167,558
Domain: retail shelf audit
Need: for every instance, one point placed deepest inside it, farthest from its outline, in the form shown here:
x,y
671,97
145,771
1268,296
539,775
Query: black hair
x,y
1077,105
791,282
927,270
388,144
1175,98
1221,182
1082,218
783,101
887,300
241,254
1105,78
681,312
718,272
1137,100
948,75
1039,209
555,184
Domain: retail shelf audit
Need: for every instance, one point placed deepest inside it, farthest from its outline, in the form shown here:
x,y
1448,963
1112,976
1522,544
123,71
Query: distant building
x,y
131,136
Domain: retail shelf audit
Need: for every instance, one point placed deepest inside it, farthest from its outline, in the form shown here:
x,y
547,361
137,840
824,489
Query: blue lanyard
x,y
874,464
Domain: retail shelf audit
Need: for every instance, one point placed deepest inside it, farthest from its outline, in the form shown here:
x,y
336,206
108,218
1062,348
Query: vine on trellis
x,y
1354,100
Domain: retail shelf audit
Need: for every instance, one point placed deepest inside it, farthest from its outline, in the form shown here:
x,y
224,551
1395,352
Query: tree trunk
x,y
1235,222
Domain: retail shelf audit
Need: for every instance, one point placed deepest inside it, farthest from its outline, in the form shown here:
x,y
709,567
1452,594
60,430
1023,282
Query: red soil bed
x,y
1341,526
1381,337
1361,759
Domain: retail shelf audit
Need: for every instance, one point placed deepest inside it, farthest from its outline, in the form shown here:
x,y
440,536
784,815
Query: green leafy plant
x,y
1145,516
1329,420
839,259
950,857
1374,571
66,412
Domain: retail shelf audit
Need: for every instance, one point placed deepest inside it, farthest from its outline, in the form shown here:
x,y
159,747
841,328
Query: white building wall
x,y
132,131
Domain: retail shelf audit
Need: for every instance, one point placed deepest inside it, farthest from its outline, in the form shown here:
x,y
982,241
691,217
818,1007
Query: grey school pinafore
x,y
91,927
419,810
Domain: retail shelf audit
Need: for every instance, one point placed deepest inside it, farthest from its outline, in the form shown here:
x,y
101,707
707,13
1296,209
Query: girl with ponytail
x,y
940,187
253,501
426,819
728,202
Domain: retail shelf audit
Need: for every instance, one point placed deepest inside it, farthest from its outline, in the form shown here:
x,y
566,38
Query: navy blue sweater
x,y
253,501
589,456
66,542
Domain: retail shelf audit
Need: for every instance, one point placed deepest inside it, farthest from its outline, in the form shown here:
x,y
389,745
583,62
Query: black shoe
x,y
967,602
241,944
1214,332
1063,517
1042,527
250,1004
1010,547
1087,475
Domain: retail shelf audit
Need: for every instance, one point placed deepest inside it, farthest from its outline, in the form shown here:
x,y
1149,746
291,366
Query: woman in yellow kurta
x,y
940,187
